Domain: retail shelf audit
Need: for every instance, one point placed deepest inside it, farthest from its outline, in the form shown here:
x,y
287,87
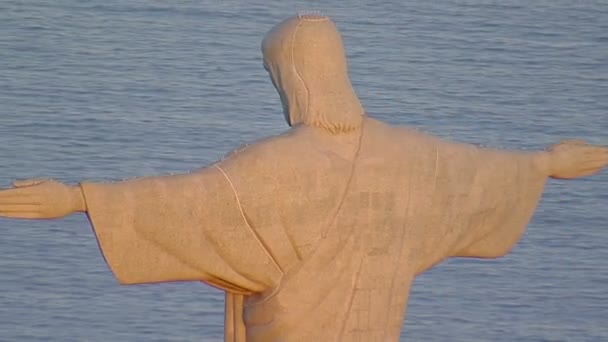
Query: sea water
x,y
106,90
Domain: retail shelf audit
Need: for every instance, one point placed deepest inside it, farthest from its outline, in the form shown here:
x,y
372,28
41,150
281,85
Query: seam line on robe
x,y
295,70
348,182
436,166
257,238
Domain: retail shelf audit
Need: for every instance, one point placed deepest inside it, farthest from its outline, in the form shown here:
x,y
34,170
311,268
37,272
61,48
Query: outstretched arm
x,y
569,159
41,199
157,229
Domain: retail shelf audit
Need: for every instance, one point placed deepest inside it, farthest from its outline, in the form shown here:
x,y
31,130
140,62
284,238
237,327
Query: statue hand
x,y
574,158
40,199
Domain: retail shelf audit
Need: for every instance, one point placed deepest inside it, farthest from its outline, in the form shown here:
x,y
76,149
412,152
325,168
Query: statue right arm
x,y
574,158
566,160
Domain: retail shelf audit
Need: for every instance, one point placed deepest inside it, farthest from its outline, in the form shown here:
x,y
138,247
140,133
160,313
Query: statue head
x,y
305,57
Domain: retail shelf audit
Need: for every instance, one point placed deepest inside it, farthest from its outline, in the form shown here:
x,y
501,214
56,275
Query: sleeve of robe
x,y
503,196
178,228
481,199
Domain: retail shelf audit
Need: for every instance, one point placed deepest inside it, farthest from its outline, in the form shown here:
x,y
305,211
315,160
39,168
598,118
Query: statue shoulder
x,y
269,149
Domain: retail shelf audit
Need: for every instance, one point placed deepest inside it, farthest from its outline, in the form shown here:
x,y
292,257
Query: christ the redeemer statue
x,y
315,234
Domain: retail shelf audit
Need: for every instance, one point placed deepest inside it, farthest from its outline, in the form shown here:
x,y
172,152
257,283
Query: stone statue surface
x,y
315,234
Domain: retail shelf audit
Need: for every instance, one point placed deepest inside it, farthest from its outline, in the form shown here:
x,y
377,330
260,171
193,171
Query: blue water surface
x,y
106,90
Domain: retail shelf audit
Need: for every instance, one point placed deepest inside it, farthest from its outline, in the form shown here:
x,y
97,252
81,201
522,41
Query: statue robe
x,y
317,234
317,237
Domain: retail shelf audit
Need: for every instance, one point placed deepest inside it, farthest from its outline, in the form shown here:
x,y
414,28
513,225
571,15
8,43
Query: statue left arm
x,y
156,229
40,199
